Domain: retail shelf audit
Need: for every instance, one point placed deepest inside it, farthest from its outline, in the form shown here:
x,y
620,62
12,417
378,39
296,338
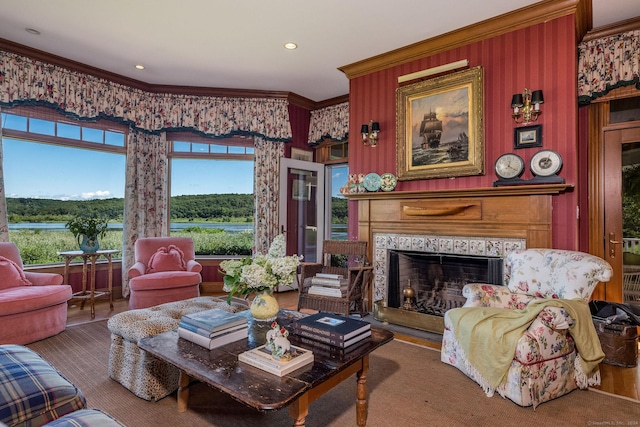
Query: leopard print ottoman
x,y
142,374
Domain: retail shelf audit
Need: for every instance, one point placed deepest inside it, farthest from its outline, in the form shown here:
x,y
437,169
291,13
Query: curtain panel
x,y
145,198
4,217
266,193
330,122
607,63
27,81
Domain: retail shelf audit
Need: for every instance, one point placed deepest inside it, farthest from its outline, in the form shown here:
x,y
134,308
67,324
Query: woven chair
x,y
345,257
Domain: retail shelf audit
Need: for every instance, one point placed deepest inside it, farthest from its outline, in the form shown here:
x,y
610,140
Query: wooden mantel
x,y
523,212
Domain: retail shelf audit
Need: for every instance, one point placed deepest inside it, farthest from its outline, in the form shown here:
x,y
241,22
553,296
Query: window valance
x,y
329,122
27,81
607,63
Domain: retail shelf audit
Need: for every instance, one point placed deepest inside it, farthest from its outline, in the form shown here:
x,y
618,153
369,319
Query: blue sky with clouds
x,y
55,172
37,170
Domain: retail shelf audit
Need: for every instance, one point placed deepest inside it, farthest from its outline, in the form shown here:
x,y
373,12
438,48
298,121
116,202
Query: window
x,y
55,167
212,192
336,177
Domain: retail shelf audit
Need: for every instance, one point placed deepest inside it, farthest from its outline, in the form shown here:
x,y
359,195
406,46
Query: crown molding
x,y
525,17
612,29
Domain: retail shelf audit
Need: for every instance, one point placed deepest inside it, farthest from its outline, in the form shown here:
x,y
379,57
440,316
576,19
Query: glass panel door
x,y
302,204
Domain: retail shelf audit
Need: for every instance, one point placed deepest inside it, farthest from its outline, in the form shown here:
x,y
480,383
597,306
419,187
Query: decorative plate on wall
x,y
372,182
389,182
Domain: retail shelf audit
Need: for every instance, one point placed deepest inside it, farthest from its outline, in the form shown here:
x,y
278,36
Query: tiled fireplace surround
x,y
487,222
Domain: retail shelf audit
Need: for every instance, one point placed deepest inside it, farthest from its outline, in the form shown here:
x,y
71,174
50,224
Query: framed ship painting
x,y
440,127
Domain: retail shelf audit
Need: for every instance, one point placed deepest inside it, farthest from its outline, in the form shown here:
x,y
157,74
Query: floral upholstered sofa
x,y
546,359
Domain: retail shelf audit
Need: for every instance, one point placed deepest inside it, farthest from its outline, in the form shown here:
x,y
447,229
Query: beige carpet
x,y
407,386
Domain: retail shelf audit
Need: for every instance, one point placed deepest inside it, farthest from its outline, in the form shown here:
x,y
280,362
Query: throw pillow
x,y
12,275
167,259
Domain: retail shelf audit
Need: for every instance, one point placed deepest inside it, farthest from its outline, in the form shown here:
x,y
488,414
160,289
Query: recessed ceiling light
x,y
32,31
290,46
140,67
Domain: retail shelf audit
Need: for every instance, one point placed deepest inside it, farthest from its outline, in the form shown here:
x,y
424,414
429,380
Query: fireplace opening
x,y
436,280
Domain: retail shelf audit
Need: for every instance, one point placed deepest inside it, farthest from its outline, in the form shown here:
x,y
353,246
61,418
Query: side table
x,y
92,293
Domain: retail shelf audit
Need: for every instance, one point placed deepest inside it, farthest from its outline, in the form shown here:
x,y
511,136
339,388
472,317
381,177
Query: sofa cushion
x,y
169,258
32,392
12,275
29,298
85,418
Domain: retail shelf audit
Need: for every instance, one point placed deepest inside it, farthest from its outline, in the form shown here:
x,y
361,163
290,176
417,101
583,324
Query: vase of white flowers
x,y
261,275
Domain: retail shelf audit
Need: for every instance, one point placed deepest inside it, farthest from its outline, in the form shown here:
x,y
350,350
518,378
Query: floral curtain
x,y
28,81
330,122
145,208
266,188
608,63
4,220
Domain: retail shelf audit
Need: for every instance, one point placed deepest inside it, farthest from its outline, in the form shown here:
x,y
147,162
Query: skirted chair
x,y
532,340
165,270
344,257
33,306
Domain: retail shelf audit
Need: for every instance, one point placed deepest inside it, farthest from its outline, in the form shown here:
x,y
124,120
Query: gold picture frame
x,y
440,127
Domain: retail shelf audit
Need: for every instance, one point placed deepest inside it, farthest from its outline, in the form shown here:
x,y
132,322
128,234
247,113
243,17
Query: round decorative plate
x,y
389,182
372,182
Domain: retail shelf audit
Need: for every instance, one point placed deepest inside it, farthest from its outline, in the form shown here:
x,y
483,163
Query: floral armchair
x,y
545,364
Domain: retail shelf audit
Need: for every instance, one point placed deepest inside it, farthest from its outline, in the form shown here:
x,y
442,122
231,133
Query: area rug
x,y
407,385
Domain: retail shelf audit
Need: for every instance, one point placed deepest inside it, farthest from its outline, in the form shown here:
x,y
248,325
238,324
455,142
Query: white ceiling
x,y
239,44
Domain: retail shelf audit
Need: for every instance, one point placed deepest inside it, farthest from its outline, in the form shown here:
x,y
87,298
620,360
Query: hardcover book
x,y
329,276
340,328
332,341
261,358
329,282
211,343
321,290
322,349
208,334
214,319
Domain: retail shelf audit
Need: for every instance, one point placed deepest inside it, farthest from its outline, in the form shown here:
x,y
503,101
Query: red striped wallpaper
x,y
542,56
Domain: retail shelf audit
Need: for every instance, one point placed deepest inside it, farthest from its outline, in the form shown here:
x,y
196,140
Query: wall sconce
x,y
526,106
370,138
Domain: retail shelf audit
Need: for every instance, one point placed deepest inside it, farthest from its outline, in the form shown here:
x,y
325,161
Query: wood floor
x,y
616,380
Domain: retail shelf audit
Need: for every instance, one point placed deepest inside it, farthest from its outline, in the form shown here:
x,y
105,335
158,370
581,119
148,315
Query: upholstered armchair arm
x,y
137,269
43,279
485,295
547,337
193,265
554,318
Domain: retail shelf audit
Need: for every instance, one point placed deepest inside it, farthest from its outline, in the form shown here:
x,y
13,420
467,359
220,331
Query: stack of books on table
x,y
330,285
261,358
332,329
213,328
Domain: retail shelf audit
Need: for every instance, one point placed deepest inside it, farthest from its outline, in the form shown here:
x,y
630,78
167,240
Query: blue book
x,y
214,320
207,333
331,326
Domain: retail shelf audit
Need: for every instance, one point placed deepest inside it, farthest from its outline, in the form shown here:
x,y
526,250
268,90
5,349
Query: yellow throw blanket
x,y
489,336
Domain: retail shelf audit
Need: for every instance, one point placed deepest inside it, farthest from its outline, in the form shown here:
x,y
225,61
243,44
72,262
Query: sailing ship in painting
x,y
430,130
436,148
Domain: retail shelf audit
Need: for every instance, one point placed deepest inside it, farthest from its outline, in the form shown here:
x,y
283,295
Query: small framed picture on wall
x,y
527,136
299,154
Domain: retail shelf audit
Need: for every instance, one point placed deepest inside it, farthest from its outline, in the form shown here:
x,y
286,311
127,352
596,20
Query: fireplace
x,y
461,226
432,283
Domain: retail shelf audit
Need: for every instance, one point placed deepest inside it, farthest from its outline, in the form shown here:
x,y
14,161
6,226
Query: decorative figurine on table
x,y
278,343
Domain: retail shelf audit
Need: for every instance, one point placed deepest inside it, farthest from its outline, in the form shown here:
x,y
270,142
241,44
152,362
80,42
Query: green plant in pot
x,y
87,230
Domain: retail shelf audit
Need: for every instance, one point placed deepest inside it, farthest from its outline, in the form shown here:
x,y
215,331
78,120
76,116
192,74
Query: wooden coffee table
x,y
219,368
